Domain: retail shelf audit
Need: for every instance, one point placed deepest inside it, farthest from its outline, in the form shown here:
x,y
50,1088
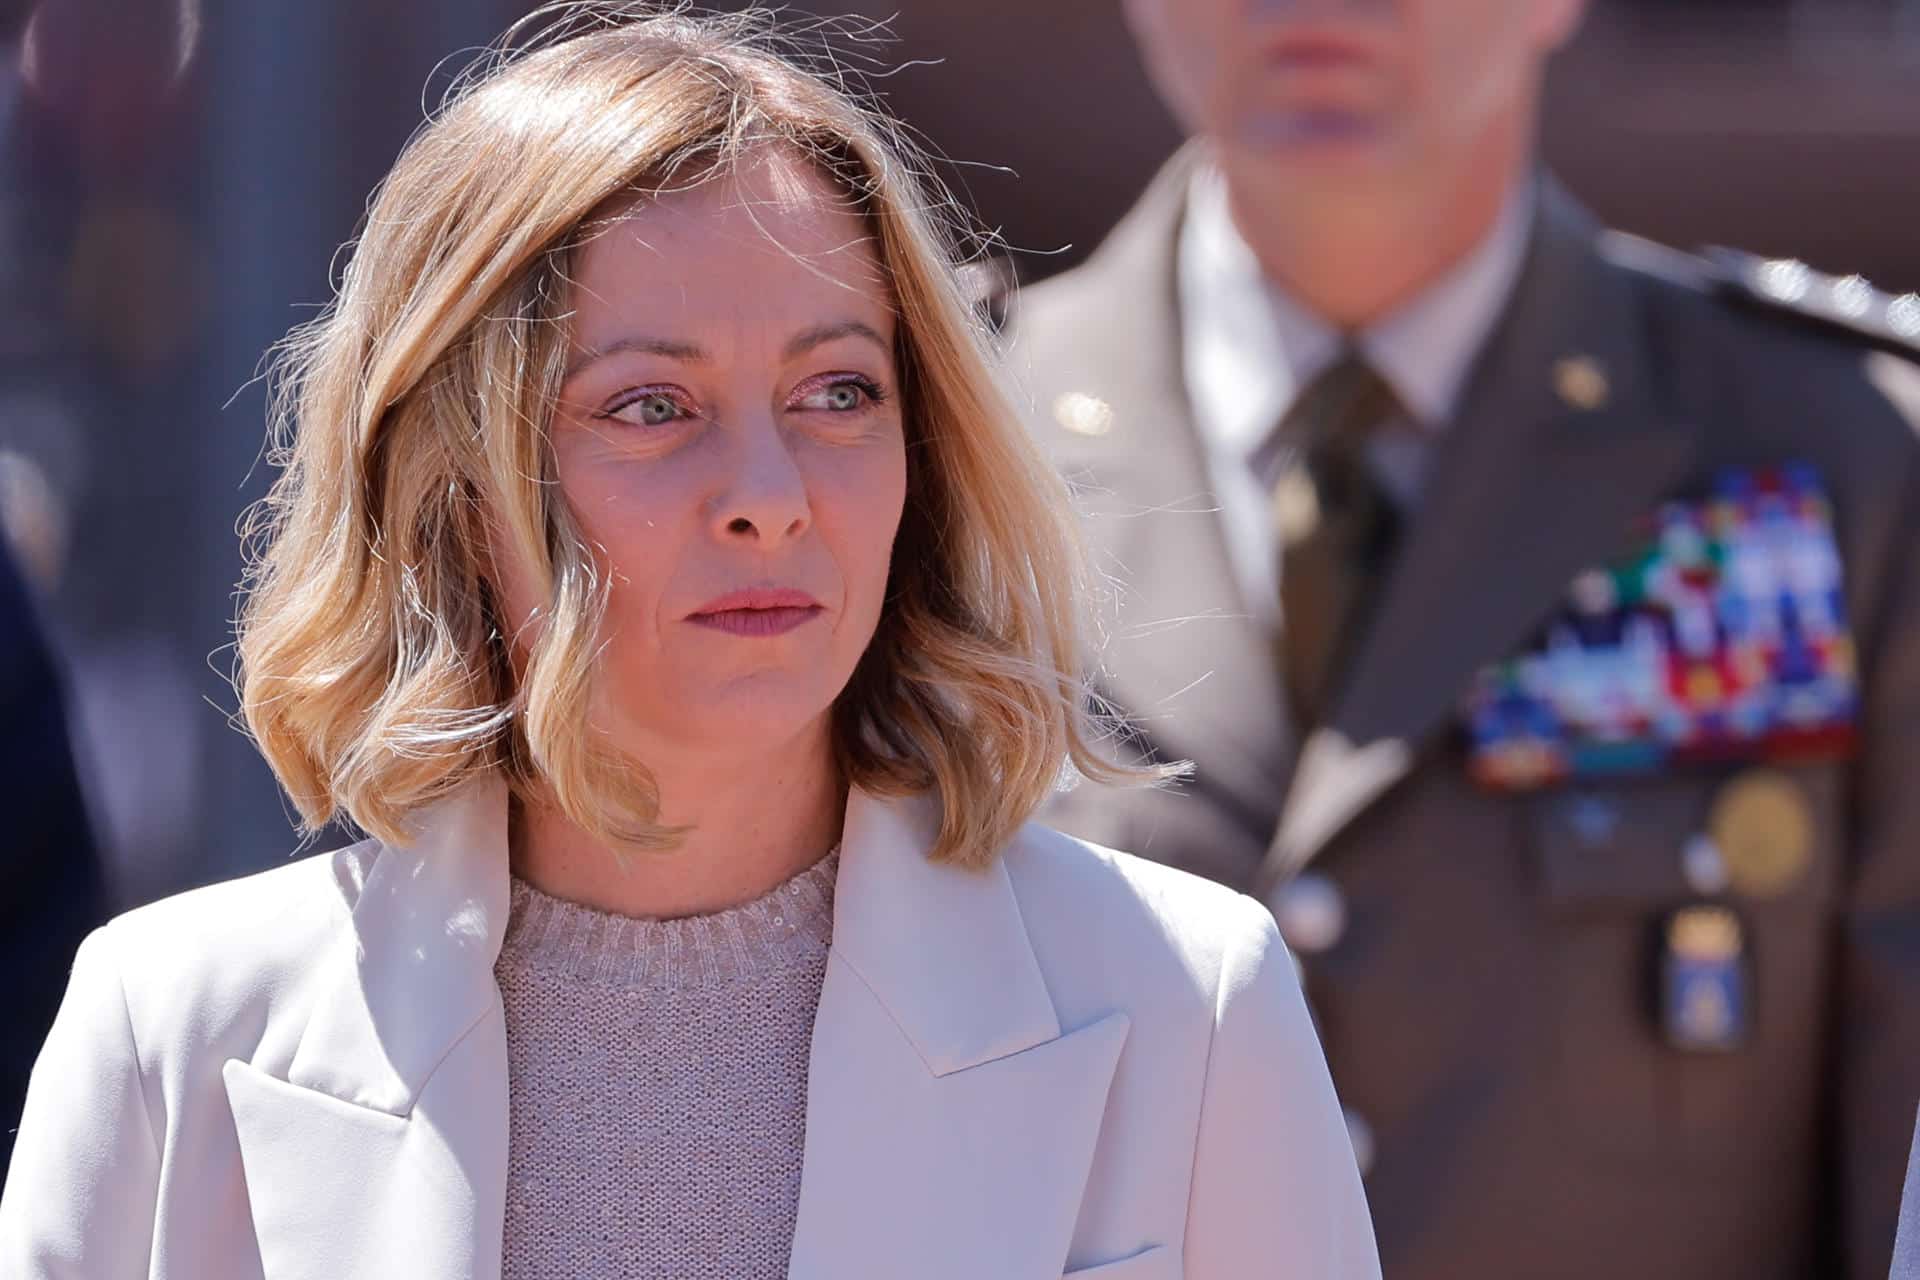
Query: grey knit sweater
x,y
657,1084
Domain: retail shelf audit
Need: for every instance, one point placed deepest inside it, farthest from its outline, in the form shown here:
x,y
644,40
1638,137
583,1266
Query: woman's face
x,y
729,437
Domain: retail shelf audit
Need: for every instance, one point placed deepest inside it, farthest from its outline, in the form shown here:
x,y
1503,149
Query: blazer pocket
x,y
1155,1262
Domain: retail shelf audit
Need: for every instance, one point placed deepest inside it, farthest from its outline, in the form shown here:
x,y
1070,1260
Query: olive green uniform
x,y
1488,971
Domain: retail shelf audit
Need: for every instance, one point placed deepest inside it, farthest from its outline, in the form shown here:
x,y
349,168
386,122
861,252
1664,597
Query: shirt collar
x,y
1426,348
1249,347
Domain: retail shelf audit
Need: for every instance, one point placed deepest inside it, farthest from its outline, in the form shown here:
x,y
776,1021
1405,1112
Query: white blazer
x,y
1074,1063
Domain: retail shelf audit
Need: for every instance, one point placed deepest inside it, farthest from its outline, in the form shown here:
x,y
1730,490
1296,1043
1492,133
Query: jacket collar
x,y
384,1147
942,1092
942,947
414,971
941,1088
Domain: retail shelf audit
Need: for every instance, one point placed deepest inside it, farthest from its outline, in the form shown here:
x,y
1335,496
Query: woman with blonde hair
x,y
659,578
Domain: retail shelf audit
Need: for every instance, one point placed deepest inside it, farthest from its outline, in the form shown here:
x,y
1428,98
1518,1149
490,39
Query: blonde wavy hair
x,y
410,420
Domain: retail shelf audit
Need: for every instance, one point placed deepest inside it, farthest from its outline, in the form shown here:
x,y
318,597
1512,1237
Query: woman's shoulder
x,y
1086,875
256,910
1157,932
217,957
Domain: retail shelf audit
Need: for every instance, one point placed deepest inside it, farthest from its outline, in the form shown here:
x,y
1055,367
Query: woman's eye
x,y
844,396
653,409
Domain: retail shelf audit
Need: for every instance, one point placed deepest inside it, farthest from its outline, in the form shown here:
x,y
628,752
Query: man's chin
x,y
1319,135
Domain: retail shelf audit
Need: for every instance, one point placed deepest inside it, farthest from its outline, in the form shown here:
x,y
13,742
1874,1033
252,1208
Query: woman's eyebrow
x,y
807,339
799,344
672,350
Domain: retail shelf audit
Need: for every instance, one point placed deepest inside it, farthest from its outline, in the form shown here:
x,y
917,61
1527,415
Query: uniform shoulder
x,y
1142,907
1047,318
1050,294
1779,291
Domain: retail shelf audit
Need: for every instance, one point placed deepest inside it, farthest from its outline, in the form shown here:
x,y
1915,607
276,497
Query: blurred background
x,y
176,178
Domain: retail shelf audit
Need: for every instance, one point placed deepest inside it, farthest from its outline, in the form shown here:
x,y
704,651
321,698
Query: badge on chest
x,y
1702,980
1719,637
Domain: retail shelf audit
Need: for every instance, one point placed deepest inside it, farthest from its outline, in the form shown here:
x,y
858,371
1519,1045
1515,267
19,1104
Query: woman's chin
x,y
743,717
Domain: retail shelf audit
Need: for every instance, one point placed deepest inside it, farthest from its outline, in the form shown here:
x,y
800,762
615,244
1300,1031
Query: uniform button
x,y
1786,279
1903,313
1082,414
1582,383
1703,867
1852,296
1311,912
1360,1133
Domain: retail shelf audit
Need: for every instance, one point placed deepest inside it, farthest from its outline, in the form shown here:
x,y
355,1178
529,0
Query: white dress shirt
x,y
1248,349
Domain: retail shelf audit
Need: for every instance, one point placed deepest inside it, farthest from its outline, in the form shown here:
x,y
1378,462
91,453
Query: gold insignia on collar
x,y
1296,507
1082,414
1582,383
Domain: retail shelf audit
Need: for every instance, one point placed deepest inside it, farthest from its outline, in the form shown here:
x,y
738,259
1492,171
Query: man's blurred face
x,y
1349,87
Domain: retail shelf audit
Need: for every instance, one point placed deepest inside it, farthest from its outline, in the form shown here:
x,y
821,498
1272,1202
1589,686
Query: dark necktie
x,y
1335,524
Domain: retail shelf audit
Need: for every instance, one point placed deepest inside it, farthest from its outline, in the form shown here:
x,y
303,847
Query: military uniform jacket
x,y
1486,1008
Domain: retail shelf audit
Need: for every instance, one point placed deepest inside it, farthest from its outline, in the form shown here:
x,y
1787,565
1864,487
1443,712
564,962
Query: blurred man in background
x,y
1540,610
50,884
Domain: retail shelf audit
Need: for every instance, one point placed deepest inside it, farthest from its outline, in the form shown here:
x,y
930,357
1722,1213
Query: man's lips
x,y
1321,51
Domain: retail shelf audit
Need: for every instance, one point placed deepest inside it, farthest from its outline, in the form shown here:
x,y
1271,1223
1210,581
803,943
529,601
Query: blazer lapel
x,y
1531,488
383,1151
950,1122
1189,663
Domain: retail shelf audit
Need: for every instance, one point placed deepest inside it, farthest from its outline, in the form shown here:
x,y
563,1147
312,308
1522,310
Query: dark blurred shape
x,y
51,891
133,283
33,520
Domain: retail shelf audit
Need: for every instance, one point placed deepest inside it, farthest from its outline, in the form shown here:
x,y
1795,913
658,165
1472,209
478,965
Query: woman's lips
x,y
758,622
758,611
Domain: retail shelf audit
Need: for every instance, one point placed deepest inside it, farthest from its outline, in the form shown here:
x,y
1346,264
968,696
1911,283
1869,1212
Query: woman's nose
x,y
765,502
